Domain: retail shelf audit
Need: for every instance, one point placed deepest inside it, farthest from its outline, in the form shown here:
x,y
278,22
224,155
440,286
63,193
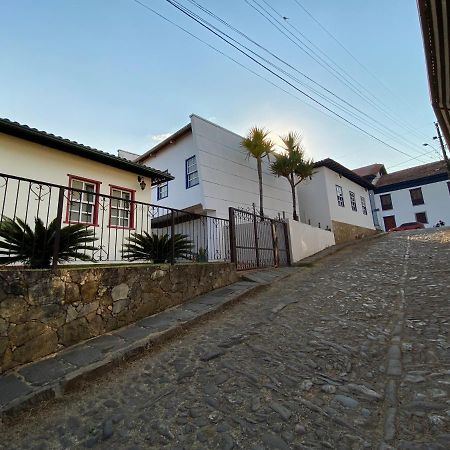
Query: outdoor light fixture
x,y
142,182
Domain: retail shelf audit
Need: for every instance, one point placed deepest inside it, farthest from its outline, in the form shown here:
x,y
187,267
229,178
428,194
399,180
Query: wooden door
x,y
389,222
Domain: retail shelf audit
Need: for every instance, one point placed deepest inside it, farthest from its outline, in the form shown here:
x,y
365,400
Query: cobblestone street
x,y
350,353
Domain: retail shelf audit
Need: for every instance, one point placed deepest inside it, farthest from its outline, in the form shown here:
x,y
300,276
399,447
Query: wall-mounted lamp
x,y
142,182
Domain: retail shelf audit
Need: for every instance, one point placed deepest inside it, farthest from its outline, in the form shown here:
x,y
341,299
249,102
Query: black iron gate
x,y
257,241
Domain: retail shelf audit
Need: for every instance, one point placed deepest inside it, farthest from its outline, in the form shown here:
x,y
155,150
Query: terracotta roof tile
x,y
413,173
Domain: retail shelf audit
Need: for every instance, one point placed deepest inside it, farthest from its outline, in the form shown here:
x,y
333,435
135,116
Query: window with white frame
x,y
353,201
340,196
363,205
83,206
191,172
162,191
121,210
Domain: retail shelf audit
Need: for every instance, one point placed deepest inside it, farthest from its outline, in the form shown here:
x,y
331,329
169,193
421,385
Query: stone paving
x,y
351,353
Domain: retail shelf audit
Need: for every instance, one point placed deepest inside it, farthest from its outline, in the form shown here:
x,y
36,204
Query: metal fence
x,y
258,241
38,222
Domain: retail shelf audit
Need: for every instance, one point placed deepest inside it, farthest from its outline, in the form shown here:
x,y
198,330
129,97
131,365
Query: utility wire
x,y
364,67
333,115
391,134
310,52
185,11
237,62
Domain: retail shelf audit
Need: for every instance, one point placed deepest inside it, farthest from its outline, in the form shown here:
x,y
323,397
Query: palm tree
x,y
158,249
292,165
258,146
19,243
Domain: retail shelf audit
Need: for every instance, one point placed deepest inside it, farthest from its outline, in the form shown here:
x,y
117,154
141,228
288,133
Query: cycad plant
x,y
158,249
293,165
34,248
258,146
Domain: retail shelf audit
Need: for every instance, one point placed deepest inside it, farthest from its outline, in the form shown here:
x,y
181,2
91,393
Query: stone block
x,y
120,292
89,291
72,293
42,345
11,387
45,371
27,331
13,308
75,331
4,324
120,305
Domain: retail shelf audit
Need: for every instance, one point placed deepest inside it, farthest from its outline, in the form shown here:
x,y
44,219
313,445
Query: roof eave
x,y
148,154
42,138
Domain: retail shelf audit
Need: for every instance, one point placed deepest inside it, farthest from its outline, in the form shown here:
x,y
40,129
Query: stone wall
x,y
344,232
43,311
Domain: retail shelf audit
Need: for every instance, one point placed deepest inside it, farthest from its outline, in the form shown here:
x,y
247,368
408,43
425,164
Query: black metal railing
x,y
258,241
38,221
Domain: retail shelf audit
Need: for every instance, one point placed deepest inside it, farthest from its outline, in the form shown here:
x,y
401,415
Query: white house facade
x,y
212,172
418,194
336,199
35,166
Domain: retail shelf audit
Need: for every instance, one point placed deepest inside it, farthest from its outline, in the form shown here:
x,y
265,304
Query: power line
x,y
364,67
391,134
334,115
236,61
327,67
188,13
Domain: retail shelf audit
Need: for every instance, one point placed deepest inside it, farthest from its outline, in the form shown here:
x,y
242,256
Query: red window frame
x,y
132,206
97,184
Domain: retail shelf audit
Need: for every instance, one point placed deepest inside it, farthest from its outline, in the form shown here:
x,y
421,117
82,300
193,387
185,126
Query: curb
x,y
74,379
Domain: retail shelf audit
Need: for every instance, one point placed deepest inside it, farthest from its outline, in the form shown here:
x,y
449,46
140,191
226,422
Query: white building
x,y
212,172
337,199
33,166
417,194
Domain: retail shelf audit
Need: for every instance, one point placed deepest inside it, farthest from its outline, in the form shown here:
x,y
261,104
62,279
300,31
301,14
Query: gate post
x,y
57,240
288,243
232,227
255,227
276,256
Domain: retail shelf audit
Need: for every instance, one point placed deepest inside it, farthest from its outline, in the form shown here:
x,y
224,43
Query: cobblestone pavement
x,y
353,352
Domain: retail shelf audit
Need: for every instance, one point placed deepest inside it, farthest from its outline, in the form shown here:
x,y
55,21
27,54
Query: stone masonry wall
x,y
43,311
344,232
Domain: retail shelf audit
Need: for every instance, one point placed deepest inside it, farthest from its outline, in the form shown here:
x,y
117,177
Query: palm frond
x,y
146,247
35,247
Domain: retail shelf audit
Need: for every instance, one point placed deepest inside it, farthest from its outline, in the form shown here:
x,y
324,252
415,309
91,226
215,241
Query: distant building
x,y
337,199
418,194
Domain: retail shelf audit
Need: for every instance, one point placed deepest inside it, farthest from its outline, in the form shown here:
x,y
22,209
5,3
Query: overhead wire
x,y
336,73
386,131
333,113
363,66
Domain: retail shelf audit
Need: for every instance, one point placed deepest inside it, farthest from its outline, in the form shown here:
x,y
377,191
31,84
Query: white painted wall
x,y
29,160
173,158
34,161
313,200
346,214
437,204
307,240
318,201
229,178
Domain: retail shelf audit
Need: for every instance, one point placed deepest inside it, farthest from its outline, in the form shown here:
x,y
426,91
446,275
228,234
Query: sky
x,y
112,74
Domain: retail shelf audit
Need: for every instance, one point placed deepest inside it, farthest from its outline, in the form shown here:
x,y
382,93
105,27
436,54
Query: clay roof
x,y
59,143
413,173
372,169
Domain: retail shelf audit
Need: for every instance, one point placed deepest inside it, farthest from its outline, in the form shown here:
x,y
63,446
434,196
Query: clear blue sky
x,y
111,74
